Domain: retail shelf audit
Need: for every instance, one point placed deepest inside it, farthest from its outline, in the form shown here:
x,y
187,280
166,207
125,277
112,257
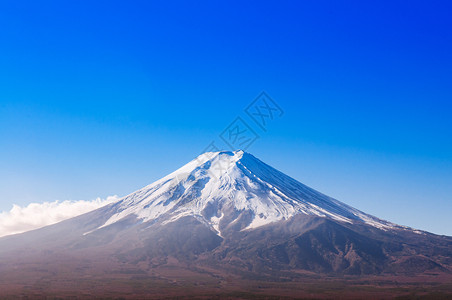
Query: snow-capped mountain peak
x,y
232,190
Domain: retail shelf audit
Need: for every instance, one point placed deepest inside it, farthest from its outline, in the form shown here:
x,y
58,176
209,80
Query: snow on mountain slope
x,y
220,188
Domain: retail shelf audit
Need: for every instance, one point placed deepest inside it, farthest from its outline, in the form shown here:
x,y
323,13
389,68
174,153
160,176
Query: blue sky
x,y
103,97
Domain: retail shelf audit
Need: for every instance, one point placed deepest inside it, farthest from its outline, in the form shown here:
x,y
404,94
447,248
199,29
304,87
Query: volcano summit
x,y
221,189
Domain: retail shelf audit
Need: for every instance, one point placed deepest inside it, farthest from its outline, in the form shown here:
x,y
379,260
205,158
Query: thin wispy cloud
x,y
36,215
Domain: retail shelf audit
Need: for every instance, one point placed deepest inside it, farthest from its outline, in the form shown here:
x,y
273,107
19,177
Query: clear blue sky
x,y
103,97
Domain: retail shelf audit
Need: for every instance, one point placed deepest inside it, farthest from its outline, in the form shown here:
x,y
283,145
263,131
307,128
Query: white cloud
x,y
36,215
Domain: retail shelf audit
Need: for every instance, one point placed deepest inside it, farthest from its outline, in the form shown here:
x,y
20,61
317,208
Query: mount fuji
x,y
223,222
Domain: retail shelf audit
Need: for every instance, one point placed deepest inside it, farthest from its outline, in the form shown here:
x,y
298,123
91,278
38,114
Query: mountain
x,y
225,221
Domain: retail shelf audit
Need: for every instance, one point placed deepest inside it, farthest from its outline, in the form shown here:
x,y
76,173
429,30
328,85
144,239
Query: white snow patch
x,y
221,181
